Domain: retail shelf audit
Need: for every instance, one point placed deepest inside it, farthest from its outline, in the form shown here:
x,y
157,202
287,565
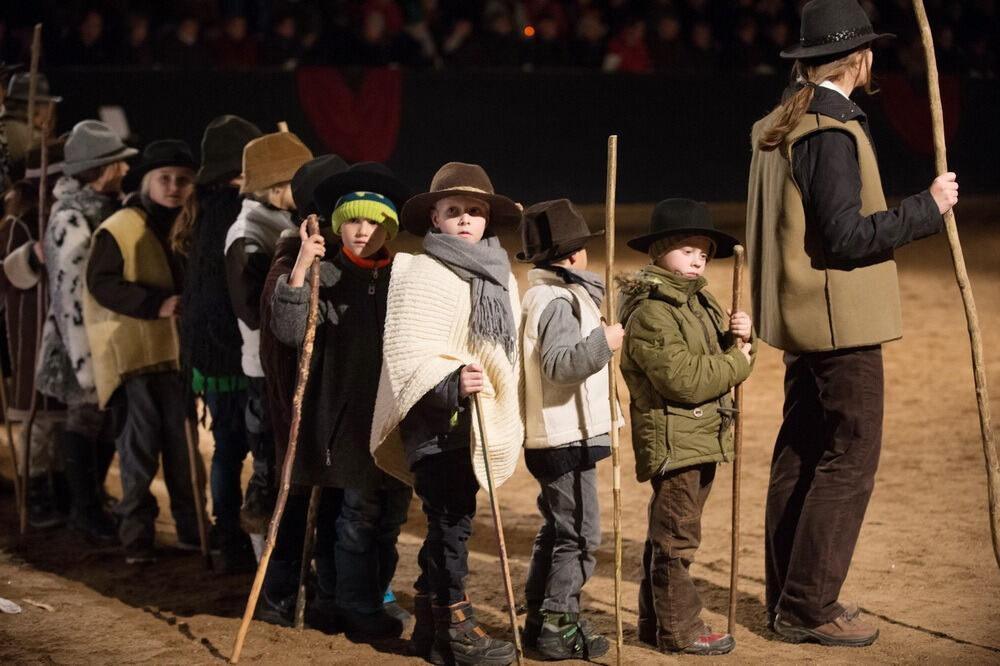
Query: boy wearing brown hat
x,y
269,162
450,331
566,349
680,362
130,306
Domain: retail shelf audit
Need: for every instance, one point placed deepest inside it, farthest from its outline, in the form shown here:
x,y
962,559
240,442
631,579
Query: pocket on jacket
x,y
693,432
649,441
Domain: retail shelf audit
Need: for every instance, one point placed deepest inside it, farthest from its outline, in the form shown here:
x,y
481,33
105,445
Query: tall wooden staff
x,y
737,451
616,487
293,440
964,286
197,486
498,526
36,51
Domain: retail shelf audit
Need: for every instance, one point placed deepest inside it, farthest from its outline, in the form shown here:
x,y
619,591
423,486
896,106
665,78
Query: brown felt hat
x,y
458,179
552,230
272,159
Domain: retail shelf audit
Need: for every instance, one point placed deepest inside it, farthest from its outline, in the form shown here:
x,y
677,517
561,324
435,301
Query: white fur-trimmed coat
x,y
65,370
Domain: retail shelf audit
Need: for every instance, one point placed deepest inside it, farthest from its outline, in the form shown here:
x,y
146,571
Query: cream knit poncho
x,y
426,339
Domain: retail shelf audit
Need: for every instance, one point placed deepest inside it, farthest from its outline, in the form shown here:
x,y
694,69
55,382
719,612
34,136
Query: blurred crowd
x,y
685,37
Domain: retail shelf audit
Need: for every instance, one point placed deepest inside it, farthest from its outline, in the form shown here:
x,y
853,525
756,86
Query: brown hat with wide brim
x,y
552,230
458,179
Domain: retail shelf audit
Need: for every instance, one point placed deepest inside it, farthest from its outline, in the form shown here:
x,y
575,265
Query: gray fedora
x,y
18,88
93,144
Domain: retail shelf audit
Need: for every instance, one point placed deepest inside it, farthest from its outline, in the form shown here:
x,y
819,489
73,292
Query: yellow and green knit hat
x,y
369,205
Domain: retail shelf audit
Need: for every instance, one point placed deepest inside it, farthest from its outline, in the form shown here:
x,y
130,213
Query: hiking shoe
x,y
96,526
565,636
42,510
711,643
281,612
422,638
532,628
235,553
845,630
140,555
459,639
375,625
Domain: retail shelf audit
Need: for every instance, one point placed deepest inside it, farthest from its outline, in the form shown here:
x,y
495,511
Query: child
x,y
130,306
679,363
567,419
450,331
361,203
269,162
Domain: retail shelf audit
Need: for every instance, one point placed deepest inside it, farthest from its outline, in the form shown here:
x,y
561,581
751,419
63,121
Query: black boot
x,y
422,638
87,515
42,512
566,636
461,640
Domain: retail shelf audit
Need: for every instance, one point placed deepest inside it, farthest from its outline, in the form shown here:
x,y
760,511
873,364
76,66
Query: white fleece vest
x,y
556,414
426,339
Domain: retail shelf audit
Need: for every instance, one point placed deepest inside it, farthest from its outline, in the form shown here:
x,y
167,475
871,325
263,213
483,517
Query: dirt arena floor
x,y
923,567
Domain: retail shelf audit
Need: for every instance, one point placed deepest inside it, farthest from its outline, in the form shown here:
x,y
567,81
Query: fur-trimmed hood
x,y
657,283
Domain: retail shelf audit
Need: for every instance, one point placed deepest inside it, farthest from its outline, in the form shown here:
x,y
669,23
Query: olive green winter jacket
x,y
680,363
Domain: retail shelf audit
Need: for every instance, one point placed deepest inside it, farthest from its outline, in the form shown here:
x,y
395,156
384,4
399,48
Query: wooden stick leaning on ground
x,y
191,436
498,526
36,51
964,286
616,488
293,438
308,546
737,451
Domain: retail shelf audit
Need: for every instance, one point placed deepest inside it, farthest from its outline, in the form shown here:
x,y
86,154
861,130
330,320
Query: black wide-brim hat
x,y
677,217
551,230
458,179
222,148
309,176
831,27
361,177
158,154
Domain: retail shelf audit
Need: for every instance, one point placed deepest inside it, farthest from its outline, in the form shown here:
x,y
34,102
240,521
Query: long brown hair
x,y
795,106
180,234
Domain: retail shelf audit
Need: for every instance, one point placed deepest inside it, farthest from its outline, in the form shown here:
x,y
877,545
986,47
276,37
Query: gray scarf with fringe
x,y
485,266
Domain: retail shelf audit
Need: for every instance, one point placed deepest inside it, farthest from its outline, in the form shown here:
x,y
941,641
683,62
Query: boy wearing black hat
x,y
566,349
130,304
451,331
680,362
361,203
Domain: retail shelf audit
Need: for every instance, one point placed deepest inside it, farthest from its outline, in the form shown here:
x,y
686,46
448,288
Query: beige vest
x,y
796,306
555,414
122,346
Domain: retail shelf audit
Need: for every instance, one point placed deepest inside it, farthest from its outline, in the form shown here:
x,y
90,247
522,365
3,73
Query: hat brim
x,y
73,168
209,175
329,191
799,52
132,180
724,243
563,248
416,214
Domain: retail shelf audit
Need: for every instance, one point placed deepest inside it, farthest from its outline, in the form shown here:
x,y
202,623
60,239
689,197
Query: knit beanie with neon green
x,y
369,205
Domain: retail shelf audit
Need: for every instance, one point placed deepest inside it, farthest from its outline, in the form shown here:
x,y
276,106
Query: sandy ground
x,y
923,566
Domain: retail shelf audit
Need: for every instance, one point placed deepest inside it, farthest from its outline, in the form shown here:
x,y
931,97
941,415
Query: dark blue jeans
x,y
367,529
283,570
231,447
447,487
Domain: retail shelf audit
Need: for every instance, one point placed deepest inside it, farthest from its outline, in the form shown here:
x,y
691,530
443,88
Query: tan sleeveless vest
x,y
120,345
798,306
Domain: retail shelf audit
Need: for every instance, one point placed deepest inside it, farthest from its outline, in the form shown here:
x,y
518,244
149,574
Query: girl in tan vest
x,y
820,243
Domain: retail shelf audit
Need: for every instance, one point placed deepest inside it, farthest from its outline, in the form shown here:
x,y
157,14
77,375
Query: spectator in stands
x,y
235,47
281,48
627,51
704,53
667,49
746,54
548,47
590,40
184,49
136,48
88,46
500,42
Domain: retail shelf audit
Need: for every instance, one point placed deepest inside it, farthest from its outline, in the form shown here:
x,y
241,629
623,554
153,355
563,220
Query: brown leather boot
x,y
846,630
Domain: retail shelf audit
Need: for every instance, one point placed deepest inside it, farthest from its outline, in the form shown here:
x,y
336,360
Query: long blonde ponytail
x,y
793,108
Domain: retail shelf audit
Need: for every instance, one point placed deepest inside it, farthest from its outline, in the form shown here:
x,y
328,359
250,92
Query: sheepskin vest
x,y
556,414
427,338
123,346
799,304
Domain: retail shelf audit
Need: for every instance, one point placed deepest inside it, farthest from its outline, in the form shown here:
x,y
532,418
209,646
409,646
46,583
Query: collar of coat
x,y
831,104
653,282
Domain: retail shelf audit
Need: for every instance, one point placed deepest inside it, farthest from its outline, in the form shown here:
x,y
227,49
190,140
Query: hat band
x,y
465,188
841,36
36,172
110,153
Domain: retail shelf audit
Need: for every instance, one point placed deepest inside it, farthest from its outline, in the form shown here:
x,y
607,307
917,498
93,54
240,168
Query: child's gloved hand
x,y
740,326
614,334
470,380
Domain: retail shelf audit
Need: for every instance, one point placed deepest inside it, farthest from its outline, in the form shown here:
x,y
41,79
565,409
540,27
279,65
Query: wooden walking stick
x,y
191,435
498,526
293,439
36,51
737,452
616,487
308,545
964,286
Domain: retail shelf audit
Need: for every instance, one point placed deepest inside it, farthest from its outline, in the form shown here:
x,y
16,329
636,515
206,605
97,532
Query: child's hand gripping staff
x,y
316,249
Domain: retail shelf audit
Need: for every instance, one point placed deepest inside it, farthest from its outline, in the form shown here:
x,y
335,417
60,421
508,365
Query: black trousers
x,y
822,475
447,487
